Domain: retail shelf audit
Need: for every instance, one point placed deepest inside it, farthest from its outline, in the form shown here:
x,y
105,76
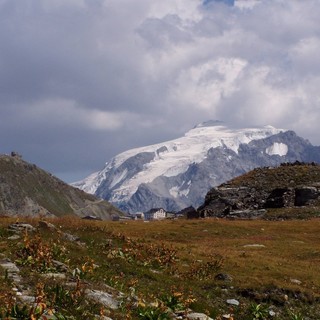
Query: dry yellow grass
x,y
263,257
291,248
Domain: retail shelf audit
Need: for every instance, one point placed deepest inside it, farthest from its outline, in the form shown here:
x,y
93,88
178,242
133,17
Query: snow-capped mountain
x,y
178,173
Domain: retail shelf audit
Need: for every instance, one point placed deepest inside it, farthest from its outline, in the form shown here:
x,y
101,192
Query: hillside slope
x,y
178,173
28,190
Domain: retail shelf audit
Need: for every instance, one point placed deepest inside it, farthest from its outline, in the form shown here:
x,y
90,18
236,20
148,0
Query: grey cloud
x,y
163,33
81,80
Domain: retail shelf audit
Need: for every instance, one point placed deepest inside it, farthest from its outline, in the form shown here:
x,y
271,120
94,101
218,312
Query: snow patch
x,y
280,149
176,192
89,185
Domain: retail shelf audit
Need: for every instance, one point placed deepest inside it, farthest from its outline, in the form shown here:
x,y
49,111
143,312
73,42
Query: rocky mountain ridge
x,y
178,173
27,190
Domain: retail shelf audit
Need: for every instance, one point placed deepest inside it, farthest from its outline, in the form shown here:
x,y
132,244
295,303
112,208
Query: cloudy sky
x,y
82,80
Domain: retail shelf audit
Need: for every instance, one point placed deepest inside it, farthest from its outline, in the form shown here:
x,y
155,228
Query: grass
x,y
175,262
277,177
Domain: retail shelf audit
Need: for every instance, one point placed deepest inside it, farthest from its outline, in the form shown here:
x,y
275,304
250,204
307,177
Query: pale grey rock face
x,y
188,187
132,166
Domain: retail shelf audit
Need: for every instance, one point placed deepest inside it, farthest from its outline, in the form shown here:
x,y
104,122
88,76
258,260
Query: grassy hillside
x,y
270,267
26,189
278,177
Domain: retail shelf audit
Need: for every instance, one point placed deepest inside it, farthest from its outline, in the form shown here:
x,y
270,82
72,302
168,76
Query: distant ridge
x,y
177,174
27,190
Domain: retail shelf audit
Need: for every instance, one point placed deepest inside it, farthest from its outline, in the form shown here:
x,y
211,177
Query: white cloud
x,y
205,85
68,113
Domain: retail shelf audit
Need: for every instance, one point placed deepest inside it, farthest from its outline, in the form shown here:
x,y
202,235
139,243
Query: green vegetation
x,y
165,267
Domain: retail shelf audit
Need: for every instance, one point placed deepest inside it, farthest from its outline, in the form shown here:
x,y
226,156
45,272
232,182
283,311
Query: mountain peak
x,y
178,173
210,123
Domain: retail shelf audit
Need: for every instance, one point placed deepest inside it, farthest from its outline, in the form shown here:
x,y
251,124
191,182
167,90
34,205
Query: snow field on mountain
x,y
174,157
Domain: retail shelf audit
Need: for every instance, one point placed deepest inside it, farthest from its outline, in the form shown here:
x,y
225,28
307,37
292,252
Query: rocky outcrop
x,y
256,195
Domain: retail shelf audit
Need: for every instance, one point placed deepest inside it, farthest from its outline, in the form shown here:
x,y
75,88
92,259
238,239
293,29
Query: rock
x,y
233,302
25,298
12,270
295,281
198,316
52,275
106,299
14,237
60,266
280,198
305,196
263,188
9,266
223,277
20,227
113,290
70,237
46,225
255,245
272,313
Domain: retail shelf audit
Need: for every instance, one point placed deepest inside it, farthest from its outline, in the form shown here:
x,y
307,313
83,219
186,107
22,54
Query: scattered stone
x,y
255,245
198,316
51,275
12,271
25,298
14,237
60,266
21,227
223,277
70,237
296,281
233,302
227,316
9,266
156,271
113,291
104,298
46,225
272,313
